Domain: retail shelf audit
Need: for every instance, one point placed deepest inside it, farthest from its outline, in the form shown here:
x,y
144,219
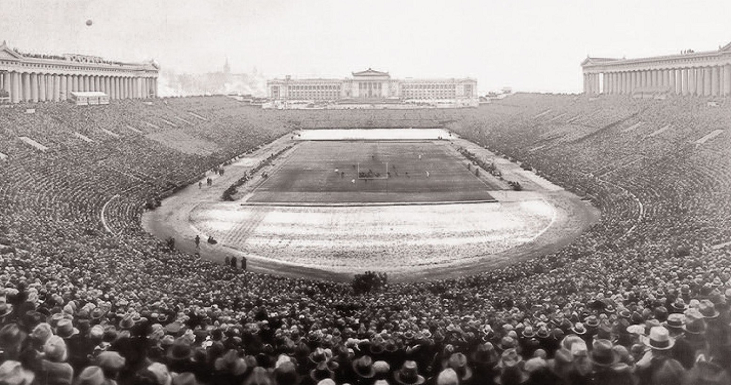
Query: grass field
x,y
327,172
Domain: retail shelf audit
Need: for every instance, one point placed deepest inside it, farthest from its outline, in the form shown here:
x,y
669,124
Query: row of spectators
x,y
642,297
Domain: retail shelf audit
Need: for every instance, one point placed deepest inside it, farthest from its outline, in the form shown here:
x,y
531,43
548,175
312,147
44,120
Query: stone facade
x,y
690,73
39,78
371,85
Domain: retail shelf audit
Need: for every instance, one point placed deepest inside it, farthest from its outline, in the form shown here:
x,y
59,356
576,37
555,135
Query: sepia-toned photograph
x,y
340,192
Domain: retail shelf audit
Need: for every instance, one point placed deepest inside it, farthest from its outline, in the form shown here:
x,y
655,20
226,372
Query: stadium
x,y
536,239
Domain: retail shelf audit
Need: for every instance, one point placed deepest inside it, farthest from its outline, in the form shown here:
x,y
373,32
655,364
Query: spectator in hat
x,y
483,360
13,373
409,374
228,369
608,370
363,370
539,373
694,332
511,369
447,377
682,350
11,341
286,374
93,375
111,363
259,376
54,368
458,362
657,365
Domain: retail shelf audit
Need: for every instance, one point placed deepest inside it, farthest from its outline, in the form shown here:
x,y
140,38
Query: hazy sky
x,y
532,45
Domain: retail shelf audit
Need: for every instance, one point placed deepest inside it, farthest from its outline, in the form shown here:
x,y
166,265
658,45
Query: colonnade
x,y
711,80
41,87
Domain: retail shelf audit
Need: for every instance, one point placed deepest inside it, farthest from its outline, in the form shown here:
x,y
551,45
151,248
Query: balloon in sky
x,y
89,23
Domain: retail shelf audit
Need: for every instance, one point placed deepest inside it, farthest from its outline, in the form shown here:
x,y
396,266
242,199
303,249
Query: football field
x,y
368,172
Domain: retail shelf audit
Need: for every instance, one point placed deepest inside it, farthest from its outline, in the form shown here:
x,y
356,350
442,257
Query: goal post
x,y
365,176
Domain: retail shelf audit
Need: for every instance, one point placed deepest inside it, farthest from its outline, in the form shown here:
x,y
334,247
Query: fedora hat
x,y
708,310
12,372
110,361
321,372
319,355
55,349
286,373
185,378
458,362
179,351
65,329
591,321
408,374
602,353
91,375
579,329
231,363
363,367
485,355
11,336
694,322
5,309
675,321
447,377
659,339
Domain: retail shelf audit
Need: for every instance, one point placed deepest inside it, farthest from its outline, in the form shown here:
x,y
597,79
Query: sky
x,y
529,45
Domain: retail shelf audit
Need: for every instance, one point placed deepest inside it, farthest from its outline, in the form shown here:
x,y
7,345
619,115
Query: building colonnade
x,y
695,81
694,74
41,87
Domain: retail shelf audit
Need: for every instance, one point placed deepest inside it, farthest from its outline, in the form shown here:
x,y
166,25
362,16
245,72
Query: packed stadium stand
x,y
640,298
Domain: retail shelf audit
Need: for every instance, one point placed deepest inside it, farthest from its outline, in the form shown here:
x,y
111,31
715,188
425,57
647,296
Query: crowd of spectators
x,y
640,298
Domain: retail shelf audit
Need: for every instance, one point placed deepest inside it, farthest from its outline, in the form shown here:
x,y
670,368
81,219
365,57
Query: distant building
x,y
40,78
372,86
686,73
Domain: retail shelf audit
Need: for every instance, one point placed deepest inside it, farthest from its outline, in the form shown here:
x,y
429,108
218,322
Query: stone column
x,y
679,81
727,80
715,82
42,87
700,81
597,84
692,81
707,81
14,87
34,87
62,88
8,83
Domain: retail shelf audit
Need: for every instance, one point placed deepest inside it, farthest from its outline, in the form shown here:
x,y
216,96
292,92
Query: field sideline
x,y
327,172
313,237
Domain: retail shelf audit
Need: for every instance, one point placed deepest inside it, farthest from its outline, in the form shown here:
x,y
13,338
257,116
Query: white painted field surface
x,y
374,134
379,238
